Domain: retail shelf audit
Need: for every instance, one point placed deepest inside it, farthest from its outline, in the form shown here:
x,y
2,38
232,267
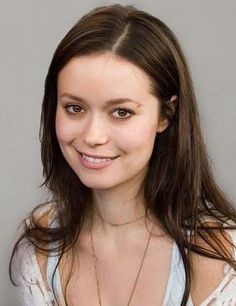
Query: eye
x,y
122,112
73,108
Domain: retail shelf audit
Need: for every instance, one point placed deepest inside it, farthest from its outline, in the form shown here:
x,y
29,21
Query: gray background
x,y
30,32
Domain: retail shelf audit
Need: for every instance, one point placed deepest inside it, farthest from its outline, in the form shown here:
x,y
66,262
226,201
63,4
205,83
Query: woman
x,y
136,216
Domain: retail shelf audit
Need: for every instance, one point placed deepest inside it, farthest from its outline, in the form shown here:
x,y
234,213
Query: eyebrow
x,y
109,102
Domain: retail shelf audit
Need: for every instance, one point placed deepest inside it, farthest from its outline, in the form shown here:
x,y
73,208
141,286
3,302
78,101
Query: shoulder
x,y
43,217
43,213
32,285
208,273
28,263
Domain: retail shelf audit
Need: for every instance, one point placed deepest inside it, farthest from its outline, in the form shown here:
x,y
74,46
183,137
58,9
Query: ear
x,y
163,123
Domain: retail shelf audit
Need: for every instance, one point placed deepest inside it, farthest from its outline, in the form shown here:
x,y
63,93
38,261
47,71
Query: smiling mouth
x,y
96,159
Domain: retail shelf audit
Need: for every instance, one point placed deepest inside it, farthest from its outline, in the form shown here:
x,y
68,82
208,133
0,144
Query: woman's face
x,y
104,108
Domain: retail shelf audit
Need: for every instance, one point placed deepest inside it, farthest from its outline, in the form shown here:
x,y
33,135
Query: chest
x,y
117,279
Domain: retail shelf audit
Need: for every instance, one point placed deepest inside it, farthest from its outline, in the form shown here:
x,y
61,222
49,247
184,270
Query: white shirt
x,y
34,293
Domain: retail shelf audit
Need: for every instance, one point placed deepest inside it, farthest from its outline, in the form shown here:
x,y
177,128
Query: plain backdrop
x,y
29,33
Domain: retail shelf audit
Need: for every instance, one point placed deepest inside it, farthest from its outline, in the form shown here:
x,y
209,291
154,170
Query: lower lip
x,y
90,165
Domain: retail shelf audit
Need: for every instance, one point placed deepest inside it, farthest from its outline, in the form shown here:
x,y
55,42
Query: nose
x,y
95,131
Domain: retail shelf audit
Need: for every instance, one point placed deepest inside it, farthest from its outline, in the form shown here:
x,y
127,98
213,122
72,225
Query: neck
x,y
118,208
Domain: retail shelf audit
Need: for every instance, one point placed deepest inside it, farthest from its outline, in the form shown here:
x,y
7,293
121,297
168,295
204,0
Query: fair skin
x,y
92,126
95,127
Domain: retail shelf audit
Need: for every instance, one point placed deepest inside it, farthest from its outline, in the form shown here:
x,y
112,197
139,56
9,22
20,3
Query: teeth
x,y
96,160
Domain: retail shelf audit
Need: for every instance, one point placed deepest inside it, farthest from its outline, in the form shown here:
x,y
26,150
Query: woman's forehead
x,y
104,70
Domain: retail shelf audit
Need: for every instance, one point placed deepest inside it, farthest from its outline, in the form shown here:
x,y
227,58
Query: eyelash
x,y
71,105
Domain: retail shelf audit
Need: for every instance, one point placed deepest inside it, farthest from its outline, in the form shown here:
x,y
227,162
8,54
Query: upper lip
x,y
96,156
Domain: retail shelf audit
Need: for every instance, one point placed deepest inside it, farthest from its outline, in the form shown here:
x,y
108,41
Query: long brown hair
x,y
179,187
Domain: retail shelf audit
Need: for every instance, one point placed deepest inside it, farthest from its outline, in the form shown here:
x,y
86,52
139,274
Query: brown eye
x,y
122,113
73,108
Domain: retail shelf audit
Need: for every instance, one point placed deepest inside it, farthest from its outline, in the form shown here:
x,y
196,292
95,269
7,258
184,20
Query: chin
x,y
98,186
98,182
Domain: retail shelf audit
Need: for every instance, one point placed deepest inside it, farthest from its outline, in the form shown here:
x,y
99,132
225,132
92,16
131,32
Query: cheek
x,y
63,129
140,138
